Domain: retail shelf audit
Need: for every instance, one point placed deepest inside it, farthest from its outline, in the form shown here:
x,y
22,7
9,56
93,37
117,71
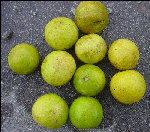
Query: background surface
x,y
27,20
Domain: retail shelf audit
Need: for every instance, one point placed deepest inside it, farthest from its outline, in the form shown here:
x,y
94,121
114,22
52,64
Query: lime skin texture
x,y
23,59
128,86
91,16
61,33
89,80
85,112
58,68
123,54
50,111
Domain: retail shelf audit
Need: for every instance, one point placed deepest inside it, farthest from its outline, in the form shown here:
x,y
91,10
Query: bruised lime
x,y
91,16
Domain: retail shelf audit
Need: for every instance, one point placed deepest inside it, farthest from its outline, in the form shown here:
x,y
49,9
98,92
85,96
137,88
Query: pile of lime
x,y
127,86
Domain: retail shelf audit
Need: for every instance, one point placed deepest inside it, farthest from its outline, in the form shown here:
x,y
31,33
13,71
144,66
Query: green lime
x,y
85,112
50,111
23,59
89,80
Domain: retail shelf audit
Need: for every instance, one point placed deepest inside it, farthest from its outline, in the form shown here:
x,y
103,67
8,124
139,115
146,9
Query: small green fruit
x,y
23,59
90,48
128,86
89,80
50,111
91,16
58,68
85,112
61,33
123,54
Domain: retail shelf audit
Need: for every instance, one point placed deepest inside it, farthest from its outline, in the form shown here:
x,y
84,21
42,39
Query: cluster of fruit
x,y
58,67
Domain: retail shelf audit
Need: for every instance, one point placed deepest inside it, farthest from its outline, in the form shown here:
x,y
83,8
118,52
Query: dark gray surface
x,y
27,20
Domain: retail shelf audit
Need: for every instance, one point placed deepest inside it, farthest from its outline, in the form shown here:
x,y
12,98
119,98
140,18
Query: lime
x,y
58,68
61,33
23,58
128,86
123,54
89,80
50,111
85,112
91,16
90,48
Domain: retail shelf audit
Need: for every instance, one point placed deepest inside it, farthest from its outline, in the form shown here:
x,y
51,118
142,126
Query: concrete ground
x,y
27,20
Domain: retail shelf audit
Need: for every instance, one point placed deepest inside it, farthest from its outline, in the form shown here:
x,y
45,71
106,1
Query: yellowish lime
x,y
58,68
128,86
123,54
90,48
61,33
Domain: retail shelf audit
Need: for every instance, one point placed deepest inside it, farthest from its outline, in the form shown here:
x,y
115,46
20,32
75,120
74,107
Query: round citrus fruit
x,y
85,112
50,111
61,33
123,54
89,80
128,86
91,16
23,58
58,68
90,48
